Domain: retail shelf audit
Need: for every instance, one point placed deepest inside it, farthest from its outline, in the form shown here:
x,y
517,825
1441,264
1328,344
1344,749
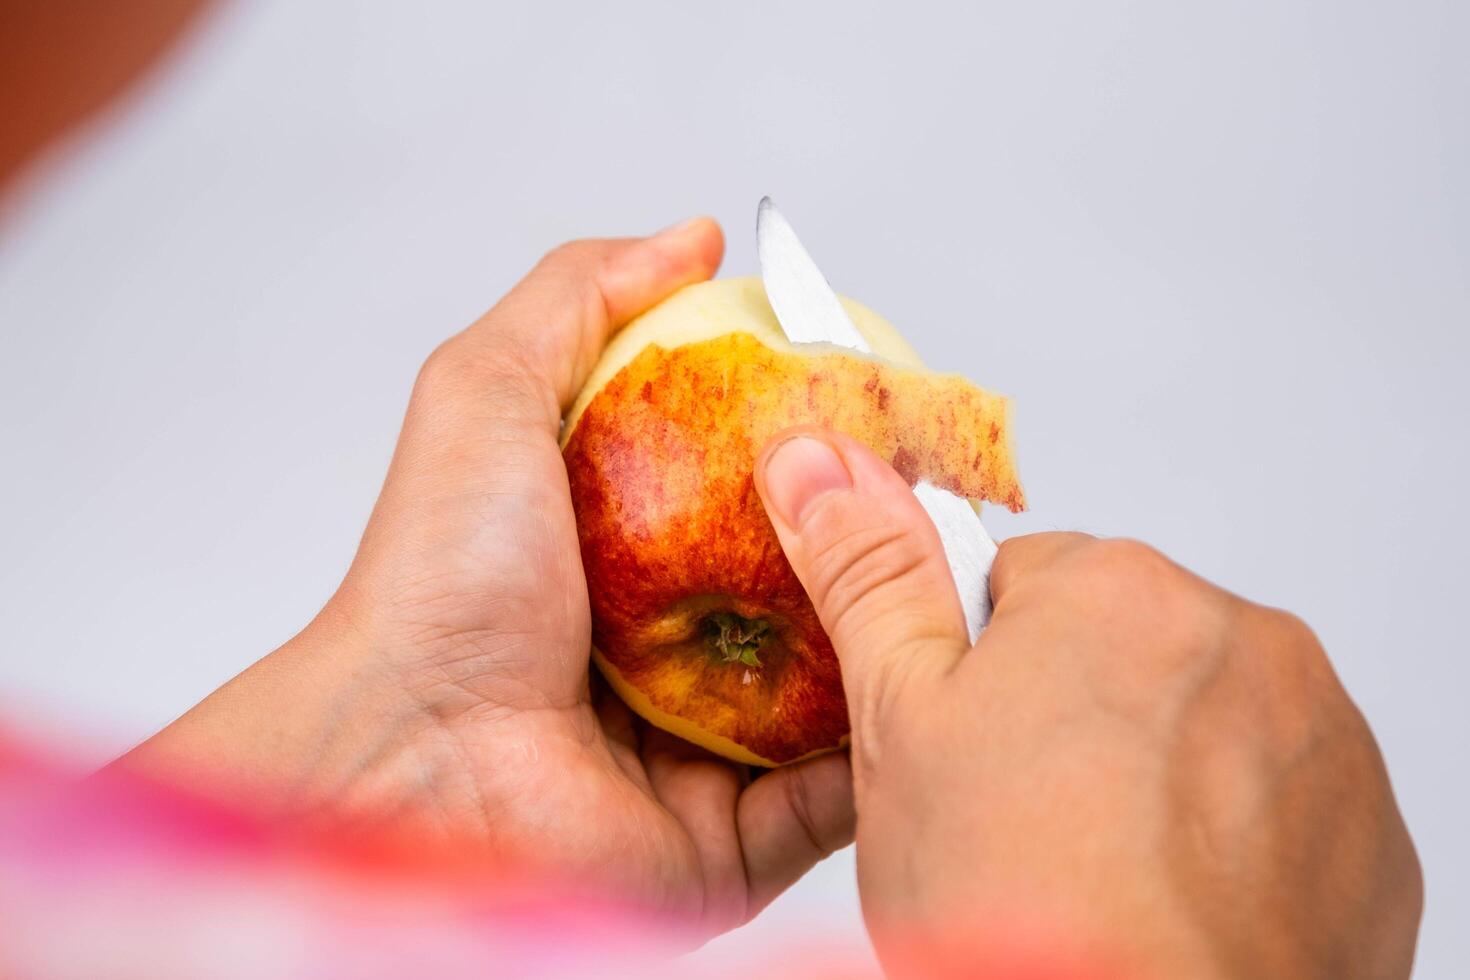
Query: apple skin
x,y
673,532
660,451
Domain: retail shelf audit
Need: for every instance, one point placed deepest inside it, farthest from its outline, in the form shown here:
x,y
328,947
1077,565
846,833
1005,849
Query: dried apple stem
x,y
734,638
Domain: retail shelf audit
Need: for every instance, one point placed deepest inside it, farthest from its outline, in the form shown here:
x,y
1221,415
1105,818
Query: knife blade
x,y
809,311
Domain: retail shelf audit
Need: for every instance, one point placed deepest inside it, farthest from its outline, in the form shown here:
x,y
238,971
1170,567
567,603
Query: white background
x,y
1217,252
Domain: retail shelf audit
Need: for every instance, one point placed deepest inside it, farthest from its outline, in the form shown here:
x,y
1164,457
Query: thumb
x,y
870,560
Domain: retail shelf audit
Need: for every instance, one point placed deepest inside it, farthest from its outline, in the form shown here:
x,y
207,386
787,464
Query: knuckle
x,y
1288,646
1167,621
573,254
1021,548
448,365
574,272
1128,571
498,374
1128,563
1292,632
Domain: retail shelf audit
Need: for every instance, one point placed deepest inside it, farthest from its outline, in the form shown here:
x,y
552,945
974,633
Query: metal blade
x,y
809,312
804,303
968,548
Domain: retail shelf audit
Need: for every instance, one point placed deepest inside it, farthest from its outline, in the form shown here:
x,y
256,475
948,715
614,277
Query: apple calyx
x,y
734,638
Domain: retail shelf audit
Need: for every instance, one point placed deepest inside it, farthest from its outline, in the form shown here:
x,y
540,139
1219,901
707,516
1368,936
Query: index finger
x,y
1019,558
553,324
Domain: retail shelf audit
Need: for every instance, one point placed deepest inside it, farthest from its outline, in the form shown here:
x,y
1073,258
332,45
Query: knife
x,y
809,312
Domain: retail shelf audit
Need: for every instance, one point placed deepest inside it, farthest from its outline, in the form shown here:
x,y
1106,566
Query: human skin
x,y
1131,765
444,693
61,61
1132,769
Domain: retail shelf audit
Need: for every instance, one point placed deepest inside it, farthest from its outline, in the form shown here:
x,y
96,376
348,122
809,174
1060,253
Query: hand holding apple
x,y
1133,773
444,689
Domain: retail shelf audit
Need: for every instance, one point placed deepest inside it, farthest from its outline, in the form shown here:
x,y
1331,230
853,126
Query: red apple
x,y
698,622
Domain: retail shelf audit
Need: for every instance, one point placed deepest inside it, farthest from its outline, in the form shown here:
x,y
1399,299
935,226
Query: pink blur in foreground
x,y
114,875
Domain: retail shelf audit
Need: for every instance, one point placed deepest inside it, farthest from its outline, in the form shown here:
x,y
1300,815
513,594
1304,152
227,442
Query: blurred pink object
x,y
114,876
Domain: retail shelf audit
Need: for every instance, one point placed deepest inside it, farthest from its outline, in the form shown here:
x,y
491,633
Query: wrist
x,y
314,721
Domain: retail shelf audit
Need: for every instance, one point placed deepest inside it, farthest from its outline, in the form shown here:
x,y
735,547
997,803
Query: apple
x,y
698,621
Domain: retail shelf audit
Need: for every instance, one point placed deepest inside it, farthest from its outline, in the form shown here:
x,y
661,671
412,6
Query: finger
x,y
1020,558
869,558
612,713
476,504
791,818
487,405
700,790
554,323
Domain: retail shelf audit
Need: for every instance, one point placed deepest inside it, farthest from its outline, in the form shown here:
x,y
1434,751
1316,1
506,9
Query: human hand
x,y
1131,763
444,689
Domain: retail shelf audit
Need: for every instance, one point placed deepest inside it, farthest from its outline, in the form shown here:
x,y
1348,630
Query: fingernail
x,y
675,230
799,471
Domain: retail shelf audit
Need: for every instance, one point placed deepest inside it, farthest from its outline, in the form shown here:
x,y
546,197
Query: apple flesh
x,y
698,621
